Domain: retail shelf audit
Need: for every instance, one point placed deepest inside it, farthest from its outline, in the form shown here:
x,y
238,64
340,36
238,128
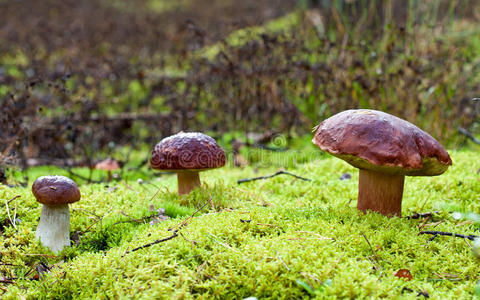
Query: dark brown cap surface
x,y
185,151
374,140
55,190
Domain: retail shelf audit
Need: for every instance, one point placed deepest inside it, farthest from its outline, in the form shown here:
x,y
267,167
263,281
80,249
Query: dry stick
x,y
468,135
8,213
421,215
89,180
98,220
270,176
132,220
182,224
8,281
174,235
223,244
17,196
435,233
371,248
280,258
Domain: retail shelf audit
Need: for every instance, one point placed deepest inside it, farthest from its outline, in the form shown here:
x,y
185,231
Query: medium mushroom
x,y
386,149
108,165
55,193
187,154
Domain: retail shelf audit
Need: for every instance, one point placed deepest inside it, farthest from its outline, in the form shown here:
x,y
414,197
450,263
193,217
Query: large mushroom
x,y
55,193
187,154
386,149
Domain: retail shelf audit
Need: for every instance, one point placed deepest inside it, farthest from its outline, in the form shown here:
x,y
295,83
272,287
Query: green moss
x,y
275,238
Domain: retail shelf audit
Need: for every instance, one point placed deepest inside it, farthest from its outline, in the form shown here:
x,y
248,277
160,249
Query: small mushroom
x,y
108,165
187,154
385,149
55,193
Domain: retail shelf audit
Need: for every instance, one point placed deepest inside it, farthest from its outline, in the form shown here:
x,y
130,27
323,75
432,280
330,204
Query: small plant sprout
x,y
385,149
187,154
55,193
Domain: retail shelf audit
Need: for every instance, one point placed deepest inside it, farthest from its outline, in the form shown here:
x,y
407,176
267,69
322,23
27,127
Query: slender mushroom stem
x,y
53,231
187,181
380,192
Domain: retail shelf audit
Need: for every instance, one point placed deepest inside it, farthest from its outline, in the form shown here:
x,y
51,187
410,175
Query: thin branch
x,y
469,135
17,196
175,232
184,222
435,233
270,176
174,235
421,215
213,237
89,180
8,213
280,258
373,251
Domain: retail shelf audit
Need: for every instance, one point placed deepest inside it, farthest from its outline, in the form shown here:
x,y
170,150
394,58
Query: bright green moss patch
x,y
275,238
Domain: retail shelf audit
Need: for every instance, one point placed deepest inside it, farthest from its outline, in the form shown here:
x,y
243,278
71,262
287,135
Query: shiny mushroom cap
x,y
108,164
374,140
187,151
55,190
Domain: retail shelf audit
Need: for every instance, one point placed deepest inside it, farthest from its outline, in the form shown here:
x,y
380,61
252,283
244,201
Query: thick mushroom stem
x,y
53,231
187,181
380,192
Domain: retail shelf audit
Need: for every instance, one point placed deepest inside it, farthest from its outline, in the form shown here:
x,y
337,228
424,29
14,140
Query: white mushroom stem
x,y
380,192
53,231
187,181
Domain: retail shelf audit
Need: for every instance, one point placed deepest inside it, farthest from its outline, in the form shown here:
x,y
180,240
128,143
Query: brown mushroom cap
x,y
187,151
108,164
55,190
374,140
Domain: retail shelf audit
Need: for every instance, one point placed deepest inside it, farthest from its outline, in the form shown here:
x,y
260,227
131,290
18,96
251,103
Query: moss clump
x,y
277,238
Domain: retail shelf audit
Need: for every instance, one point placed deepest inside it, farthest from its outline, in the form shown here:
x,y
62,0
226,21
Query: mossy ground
x,y
275,238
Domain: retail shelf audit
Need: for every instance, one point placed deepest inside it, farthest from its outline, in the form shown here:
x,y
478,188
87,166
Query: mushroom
x,y
55,193
187,154
108,165
386,149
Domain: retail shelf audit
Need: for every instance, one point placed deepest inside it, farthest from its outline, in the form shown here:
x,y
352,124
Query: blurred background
x,y
80,80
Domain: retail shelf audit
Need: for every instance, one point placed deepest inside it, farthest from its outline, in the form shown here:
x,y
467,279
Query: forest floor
x,y
281,237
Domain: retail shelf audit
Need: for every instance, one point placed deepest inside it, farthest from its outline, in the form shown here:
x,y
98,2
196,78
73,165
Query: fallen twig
x,y
280,258
89,180
174,235
133,220
421,215
435,233
270,176
468,135
213,237
17,196
375,257
175,231
6,280
8,212
182,224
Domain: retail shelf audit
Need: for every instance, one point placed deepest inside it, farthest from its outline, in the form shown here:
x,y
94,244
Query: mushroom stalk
x,y
187,181
380,192
53,231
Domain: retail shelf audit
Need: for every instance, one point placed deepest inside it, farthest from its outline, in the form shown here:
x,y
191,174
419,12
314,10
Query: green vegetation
x,y
278,238
84,80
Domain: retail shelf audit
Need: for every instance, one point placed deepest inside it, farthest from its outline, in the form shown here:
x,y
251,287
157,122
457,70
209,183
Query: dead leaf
x,y
404,273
